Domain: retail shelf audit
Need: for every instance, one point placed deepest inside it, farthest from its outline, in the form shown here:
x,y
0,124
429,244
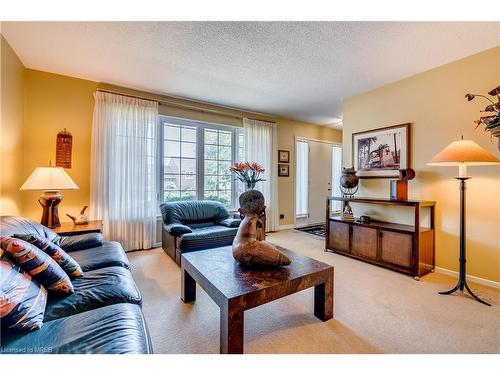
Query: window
x,y
336,174
218,160
302,179
179,162
196,160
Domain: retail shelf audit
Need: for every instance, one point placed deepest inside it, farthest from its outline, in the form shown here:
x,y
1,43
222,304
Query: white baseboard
x,y
287,226
475,279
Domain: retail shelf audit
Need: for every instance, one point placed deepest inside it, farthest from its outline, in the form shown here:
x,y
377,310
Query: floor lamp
x,y
463,153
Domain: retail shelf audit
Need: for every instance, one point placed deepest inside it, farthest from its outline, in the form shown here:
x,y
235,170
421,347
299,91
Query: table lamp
x,y
463,153
51,180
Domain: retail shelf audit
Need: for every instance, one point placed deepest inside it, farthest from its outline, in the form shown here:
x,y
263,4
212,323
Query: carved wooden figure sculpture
x,y
248,248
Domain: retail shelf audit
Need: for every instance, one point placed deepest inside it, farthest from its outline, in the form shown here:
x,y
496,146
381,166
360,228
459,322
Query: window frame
x,y
200,154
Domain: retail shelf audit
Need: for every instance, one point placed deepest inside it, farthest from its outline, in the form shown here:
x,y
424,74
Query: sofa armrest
x,y
230,223
177,229
79,242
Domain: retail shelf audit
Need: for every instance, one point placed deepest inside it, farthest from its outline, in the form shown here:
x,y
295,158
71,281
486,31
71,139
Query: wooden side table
x,y
70,229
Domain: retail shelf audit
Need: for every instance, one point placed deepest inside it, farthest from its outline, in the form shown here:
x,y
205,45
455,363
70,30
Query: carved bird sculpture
x,y
81,218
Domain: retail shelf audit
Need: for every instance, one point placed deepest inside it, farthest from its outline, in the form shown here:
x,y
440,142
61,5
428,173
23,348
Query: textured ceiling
x,y
299,70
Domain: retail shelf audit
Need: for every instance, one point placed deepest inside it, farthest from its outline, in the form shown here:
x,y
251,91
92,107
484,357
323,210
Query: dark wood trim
x,y
416,240
232,319
323,299
384,201
327,217
168,243
188,287
390,266
216,295
394,227
408,144
72,229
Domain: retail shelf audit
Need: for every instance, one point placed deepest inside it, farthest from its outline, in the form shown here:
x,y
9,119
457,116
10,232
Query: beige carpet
x,y
376,311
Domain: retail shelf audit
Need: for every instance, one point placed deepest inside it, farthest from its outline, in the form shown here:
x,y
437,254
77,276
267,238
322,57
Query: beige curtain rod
x,y
179,105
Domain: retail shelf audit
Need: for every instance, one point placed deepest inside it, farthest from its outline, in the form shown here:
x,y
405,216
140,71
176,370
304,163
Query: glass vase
x,y
250,186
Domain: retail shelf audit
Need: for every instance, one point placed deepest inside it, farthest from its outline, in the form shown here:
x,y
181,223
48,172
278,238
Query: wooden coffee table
x,y
236,289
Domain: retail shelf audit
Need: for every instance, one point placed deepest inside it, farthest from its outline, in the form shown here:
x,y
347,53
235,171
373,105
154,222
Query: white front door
x,y
320,179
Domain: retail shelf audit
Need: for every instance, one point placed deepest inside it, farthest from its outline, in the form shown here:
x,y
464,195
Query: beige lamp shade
x,y
463,151
49,178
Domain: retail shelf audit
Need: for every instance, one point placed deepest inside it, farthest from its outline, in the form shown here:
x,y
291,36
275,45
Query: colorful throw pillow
x,y
22,299
39,265
68,264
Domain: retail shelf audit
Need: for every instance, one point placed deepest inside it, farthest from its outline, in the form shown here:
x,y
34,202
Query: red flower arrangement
x,y
249,173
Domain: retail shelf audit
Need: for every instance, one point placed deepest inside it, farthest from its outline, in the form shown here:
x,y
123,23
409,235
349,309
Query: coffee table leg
x,y
231,330
188,288
323,299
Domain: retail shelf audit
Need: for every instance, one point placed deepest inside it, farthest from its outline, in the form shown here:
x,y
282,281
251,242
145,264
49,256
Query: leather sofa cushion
x,y
97,288
177,229
79,241
231,223
108,255
190,212
207,237
114,329
10,225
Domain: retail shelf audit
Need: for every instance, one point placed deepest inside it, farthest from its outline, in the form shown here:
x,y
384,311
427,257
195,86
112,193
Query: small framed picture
x,y
283,170
283,156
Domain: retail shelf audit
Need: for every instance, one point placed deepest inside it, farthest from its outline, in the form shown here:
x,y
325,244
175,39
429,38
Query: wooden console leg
x,y
231,330
188,287
323,299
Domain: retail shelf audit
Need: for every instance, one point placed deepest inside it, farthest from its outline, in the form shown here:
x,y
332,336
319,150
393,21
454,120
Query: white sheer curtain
x,y
261,145
124,169
302,179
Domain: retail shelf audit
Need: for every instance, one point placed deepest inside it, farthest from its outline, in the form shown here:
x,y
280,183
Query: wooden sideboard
x,y
399,247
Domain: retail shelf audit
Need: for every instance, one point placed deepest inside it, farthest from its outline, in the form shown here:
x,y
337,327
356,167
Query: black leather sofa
x,y
195,225
103,315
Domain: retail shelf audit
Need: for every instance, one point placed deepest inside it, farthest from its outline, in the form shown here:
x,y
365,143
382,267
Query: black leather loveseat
x,y
103,315
195,225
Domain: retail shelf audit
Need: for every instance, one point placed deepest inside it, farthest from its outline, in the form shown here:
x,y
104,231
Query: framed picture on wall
x,y
283,170
381,153
283,156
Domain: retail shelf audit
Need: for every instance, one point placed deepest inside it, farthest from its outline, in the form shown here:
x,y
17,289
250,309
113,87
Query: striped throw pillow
x,y
22,299
39,265
68,264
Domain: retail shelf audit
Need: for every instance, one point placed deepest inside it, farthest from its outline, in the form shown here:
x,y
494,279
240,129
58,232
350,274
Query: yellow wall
x,y
434,103
11,133
55,102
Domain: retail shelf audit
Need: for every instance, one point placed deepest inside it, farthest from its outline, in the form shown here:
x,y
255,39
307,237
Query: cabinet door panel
x,y
397,248
364,242
339,236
